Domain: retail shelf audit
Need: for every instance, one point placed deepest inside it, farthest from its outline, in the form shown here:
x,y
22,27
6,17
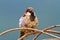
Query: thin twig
x,y
23,28
38,34
24,36
28,29
47,30
51,35
50,27
52,31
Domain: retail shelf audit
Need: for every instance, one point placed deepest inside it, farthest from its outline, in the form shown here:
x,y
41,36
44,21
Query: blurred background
x,y
47,11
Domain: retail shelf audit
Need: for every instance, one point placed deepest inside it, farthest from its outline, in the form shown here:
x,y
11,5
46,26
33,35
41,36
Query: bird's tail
x,y
21,34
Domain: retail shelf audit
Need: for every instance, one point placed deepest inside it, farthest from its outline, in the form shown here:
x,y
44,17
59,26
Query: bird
x,y
28,20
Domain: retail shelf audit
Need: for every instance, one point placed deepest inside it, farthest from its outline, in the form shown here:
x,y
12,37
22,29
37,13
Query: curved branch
x,y
50,27
37,35
28,29
52,31
24,36
23,28
47,30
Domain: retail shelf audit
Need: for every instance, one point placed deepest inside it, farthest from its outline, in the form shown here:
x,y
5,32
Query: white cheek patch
x,y
28,13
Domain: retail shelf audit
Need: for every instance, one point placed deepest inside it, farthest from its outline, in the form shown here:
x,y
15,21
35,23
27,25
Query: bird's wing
x,y
21,21
36,20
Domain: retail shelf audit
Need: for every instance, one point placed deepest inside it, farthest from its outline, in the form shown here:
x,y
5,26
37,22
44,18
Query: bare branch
x,y
51,35
28,29
24,36
50,27
47,30
37,35
52,31
10,30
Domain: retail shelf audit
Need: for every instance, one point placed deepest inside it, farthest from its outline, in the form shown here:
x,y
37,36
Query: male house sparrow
x,y
28,20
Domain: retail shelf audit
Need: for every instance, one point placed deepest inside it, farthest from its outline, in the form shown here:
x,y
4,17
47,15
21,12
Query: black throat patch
x,y
32,17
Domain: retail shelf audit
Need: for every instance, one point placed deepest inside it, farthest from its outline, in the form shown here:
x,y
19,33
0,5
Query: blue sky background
x,y
47,11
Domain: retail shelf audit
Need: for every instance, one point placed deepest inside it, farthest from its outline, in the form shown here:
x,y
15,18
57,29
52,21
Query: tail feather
x,y
21,34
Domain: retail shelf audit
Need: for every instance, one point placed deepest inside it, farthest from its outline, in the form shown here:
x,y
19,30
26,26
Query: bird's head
x,y
30,11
